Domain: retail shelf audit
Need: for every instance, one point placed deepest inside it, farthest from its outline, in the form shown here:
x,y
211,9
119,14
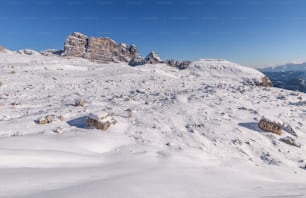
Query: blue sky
x,y
250,32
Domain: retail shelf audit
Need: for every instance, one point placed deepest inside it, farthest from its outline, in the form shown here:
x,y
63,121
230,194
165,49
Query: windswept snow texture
x,y
180,133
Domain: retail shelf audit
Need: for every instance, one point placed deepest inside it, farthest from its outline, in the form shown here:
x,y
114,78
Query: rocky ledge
x,y
105,50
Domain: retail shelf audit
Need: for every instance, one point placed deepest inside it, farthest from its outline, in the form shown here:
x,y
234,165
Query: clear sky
x,y
249,32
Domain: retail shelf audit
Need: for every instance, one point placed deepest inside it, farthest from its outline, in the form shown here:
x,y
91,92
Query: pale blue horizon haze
x,y
250,32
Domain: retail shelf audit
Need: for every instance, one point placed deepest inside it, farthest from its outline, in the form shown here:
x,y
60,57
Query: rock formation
x,y
266,82
178,64
152,58
102,50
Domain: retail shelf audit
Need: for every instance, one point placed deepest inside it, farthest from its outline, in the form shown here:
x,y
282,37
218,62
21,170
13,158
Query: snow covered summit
x,y
223,70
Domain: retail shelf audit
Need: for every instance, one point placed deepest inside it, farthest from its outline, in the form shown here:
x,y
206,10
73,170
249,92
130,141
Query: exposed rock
x,y
129,112
172,62
61,118
290,129
180,65
46,120
102,50
271,125
102,122
58,130
266,82
152,58
27,52
137,61
52,52
76,45
290,141
79,103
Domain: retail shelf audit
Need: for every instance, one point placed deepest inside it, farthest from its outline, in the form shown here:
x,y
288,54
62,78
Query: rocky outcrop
x,y
136,61
99,49
152,58
76,45
51,52
266,82
271,125
180,65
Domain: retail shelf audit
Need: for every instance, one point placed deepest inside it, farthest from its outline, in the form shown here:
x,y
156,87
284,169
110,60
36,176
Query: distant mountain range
x,y
289,76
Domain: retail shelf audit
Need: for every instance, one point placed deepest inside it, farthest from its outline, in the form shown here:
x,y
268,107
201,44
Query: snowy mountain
x,y
289,76
178,133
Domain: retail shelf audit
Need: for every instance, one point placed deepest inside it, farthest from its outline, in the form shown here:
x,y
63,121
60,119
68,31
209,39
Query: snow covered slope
x,y
222,70
179,133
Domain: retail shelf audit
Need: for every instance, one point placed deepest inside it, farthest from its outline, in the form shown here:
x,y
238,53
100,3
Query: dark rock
x,y
136,61
180,65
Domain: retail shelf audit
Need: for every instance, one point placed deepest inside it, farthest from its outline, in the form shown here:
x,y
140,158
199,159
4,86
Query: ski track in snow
x,y
193,133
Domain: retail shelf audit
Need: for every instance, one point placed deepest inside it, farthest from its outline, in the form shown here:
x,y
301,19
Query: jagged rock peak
x,y
152,58
100,49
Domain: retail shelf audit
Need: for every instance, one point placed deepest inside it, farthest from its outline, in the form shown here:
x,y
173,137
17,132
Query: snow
x,y
192,133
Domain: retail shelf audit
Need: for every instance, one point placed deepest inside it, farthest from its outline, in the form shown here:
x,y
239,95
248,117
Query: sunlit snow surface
x,y
192,133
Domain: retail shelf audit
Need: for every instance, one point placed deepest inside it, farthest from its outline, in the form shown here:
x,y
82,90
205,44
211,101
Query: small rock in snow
x,y
290,141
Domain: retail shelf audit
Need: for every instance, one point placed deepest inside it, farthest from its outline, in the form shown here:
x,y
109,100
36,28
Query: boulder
x,y
46,120
79,103
99,49
152,58
291,141
102,122
271,125
290,129
266,82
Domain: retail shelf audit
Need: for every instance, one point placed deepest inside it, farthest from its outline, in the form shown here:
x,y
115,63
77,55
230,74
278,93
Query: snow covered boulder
x,y
102,122
290,141
271,125
46,120
27,52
